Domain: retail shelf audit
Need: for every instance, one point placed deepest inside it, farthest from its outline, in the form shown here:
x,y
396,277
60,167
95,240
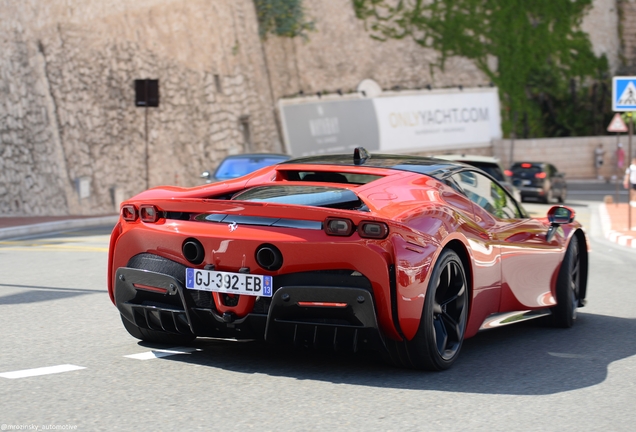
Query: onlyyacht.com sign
x,y
435,120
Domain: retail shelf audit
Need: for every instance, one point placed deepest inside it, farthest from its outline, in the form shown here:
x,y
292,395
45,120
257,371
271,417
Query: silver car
x,y
490,165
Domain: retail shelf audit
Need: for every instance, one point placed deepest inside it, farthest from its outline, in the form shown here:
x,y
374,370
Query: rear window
x,y
525,168
329,177
316,196
491,168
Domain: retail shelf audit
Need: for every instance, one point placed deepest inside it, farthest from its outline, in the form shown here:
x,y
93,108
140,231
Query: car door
x,y
528,261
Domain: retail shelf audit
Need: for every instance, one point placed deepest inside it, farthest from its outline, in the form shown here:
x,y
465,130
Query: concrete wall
x,y
601,24
628,36
573,156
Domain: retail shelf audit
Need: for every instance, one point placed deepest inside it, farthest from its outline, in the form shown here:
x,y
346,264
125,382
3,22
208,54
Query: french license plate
x,y
227,282
526,182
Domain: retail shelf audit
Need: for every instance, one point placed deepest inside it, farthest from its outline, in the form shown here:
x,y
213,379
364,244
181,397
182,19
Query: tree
x,y
533,51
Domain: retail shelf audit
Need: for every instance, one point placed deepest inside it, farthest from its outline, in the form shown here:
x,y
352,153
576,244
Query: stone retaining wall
x,y
72,141
573,156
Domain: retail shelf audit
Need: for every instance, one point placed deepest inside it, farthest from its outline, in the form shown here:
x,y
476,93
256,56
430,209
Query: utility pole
x,y
146,95
629,169
513,135
624,100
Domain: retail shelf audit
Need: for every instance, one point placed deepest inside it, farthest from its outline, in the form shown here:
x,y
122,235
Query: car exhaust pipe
x,y
193,251
269,257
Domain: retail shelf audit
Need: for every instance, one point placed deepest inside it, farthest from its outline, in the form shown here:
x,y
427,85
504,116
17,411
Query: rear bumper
x,y
532,192
310,258
337,316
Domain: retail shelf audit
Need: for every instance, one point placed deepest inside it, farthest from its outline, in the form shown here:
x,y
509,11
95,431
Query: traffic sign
x,y
624,93
617,124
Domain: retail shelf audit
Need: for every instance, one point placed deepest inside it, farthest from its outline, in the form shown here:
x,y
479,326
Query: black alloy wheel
x,y
440,335
449,311
568,290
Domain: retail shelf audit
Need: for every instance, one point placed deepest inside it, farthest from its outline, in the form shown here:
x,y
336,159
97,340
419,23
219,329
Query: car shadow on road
x,y
36,294
525,359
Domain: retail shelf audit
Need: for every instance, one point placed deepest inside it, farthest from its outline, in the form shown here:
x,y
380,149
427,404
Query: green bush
x,y
550,81
282,18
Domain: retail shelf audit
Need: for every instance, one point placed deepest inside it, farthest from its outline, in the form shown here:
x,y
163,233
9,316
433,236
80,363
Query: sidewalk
x,y
28,225
614,220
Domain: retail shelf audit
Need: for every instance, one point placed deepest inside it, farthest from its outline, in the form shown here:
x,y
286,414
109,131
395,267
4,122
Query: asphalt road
x,y
596,190
55,312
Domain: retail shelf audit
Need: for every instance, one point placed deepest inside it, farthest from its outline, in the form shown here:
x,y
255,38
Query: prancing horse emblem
x,y
233,226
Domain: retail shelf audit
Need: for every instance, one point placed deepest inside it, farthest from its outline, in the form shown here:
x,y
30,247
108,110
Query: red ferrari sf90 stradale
x,y
406,255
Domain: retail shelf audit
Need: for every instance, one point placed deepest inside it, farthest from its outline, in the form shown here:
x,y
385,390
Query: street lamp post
x,y
146,95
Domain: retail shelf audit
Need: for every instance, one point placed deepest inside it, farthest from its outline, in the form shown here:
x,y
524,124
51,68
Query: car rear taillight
x,y
148,213
508,173
540,175
338,227
322,304
129,213
373,230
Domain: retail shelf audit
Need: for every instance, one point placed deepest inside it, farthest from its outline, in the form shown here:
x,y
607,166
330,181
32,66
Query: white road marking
x,y
40,371
568,355
158,353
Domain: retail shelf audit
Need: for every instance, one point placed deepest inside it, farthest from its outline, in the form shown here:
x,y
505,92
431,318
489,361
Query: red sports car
x,y
406,255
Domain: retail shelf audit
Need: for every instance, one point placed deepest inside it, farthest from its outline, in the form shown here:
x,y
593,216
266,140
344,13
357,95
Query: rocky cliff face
x,y
71,139
32,168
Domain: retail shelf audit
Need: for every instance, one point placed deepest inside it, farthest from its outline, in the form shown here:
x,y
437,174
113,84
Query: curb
x,y
56,226
610,234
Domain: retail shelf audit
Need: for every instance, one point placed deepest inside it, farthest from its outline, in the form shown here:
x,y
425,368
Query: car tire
x,y
440,335
564,193
147,335
568,288
548,197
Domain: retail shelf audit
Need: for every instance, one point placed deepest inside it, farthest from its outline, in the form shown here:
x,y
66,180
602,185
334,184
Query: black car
x,y
539,180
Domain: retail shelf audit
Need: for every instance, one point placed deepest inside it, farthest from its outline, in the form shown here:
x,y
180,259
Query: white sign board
x,y
436,120
617,125
624,94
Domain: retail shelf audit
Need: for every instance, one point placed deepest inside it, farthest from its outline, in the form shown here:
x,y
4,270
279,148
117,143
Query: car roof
x,y
468,157
437,168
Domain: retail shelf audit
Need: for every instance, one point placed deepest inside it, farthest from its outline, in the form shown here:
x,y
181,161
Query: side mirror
x,y
558,215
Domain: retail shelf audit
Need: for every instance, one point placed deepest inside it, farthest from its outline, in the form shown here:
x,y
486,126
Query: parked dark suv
x,y
539,180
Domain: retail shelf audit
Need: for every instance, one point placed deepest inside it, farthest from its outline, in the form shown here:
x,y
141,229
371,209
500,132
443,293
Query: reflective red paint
x,y
410,220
